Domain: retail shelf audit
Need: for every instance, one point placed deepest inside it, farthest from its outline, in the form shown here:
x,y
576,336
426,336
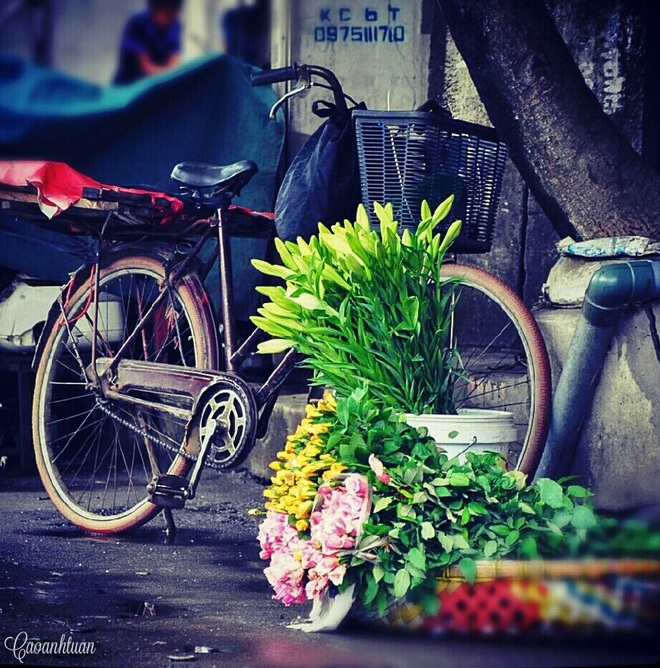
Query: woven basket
x,y
544,598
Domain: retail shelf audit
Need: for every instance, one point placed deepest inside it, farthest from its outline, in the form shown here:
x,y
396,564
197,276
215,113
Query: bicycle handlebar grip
x,y
279,74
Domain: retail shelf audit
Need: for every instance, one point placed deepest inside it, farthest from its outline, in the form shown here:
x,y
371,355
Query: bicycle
x,y
138,386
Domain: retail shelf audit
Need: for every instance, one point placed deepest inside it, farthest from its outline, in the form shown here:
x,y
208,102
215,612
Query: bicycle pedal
x,y
168,491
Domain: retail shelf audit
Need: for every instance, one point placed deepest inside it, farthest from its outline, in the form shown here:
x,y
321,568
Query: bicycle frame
x,y
116,378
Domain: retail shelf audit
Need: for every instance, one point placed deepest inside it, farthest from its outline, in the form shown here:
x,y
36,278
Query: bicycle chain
x,y
145,434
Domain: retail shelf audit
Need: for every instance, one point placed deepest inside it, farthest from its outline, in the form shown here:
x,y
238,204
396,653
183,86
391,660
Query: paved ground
x,y
142,601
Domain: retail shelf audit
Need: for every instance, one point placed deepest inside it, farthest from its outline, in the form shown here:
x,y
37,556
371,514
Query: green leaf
x,y
490,548
382,503
376,529
369,542
477,508
430,601
512,538
551,492
308,301
458,479
500,529
274,346
583,518
460,542
370,591
468,569
554,528
528,547
578,491
406,512
347,452
272,269
284,253
445,541
416,557
428,531
562,517
401,583
378,572
453,434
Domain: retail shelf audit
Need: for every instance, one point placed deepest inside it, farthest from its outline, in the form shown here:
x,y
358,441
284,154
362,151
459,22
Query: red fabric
x,y
59,186
253,214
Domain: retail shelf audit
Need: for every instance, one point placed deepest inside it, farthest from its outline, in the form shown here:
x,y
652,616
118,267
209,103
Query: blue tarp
x,y
133,135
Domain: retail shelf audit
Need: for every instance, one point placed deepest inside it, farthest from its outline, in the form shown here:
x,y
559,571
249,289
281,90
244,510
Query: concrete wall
x,y
378,48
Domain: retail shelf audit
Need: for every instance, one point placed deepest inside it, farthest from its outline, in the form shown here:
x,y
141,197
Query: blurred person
x,y
151,41
246,33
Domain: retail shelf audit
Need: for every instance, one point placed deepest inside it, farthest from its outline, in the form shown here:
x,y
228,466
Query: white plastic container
x,y
22,308
473,429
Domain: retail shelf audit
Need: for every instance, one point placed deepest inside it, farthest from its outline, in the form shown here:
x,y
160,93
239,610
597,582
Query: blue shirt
x,y
142,36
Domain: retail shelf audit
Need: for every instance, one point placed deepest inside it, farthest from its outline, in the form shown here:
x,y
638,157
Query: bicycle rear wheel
x,y
95,459
505,362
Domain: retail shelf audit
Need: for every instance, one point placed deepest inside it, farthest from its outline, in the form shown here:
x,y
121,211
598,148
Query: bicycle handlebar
x,y
299,70
278,75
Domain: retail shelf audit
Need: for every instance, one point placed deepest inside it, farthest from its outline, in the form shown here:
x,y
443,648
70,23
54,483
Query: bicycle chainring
x,y
228,416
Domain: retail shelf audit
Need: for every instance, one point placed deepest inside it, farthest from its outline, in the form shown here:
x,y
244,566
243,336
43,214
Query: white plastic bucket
x,y
473,429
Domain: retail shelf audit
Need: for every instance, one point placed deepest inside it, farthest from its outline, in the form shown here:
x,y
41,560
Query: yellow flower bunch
x,y
303,465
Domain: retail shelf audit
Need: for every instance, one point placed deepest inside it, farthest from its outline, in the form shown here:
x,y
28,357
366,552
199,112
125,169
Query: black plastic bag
x,y
322,183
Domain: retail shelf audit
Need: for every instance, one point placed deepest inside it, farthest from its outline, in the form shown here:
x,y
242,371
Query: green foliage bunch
x,y
368,306
431,512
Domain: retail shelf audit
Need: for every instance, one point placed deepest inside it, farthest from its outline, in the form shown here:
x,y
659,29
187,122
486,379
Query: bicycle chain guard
x,y
224,426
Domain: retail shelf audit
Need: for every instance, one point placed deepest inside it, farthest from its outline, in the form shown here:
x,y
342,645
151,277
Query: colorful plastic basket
x,y
544,598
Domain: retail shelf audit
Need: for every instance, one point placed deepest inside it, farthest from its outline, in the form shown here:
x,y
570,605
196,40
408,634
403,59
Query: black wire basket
x,y
406,157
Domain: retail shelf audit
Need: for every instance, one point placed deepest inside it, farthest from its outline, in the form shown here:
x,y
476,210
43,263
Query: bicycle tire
x,y
95,467
508,370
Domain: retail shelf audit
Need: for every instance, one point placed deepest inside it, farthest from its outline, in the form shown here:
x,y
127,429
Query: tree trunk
x,y
582,171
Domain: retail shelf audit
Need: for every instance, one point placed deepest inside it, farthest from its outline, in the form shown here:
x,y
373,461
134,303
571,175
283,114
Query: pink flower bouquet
x,y
303,566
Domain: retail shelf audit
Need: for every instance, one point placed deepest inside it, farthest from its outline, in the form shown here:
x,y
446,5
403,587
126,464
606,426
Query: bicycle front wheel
x,y
95,458
504,359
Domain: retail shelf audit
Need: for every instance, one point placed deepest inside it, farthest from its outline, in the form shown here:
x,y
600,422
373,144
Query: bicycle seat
x,y
215,178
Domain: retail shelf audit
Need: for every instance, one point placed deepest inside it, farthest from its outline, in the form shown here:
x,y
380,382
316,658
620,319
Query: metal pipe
x,y
226,289
611,288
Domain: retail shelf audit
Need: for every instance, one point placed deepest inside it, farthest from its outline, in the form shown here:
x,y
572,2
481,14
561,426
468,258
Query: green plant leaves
x,y
551,492
275,346
369,307
401,583
427,530
468,569
458,479
583,518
